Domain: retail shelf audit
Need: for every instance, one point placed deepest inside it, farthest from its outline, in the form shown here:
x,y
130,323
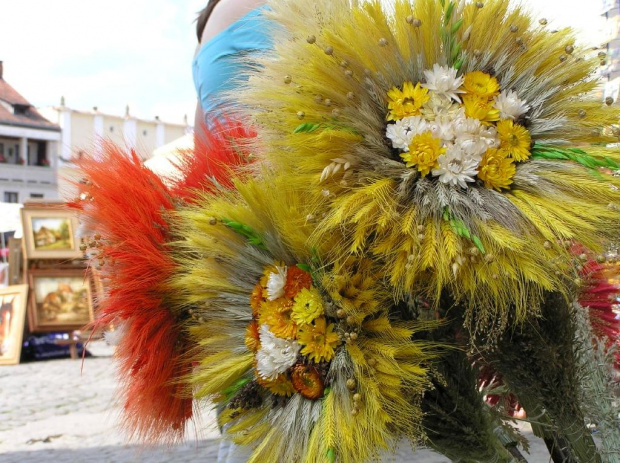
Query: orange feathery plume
x,y
121,204
216,156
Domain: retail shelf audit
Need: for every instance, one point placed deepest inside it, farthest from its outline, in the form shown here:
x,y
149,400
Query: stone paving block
x,y
65,411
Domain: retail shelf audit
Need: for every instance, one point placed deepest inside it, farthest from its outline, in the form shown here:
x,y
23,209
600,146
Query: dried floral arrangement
x,y
427,201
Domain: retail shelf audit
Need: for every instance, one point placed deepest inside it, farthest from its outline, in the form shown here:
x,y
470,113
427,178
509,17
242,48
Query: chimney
x,y
1,69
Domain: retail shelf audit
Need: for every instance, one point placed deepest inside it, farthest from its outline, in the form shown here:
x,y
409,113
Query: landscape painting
x,y
50,234
61,300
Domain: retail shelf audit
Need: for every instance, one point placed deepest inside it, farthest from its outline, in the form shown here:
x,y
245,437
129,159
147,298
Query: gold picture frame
x,y
60,300
50,233
12,317
15,261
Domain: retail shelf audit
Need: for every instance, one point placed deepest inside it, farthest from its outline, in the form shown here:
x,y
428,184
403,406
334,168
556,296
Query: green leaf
x,y
548,155
331,455
230,391
478,243
573,154
248,232
457,25
596,174
448,14
307,127
304,267
459,227
455,51
459,64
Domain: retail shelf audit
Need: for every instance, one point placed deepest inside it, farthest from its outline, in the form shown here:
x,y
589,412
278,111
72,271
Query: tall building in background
x,y
83,130
29,146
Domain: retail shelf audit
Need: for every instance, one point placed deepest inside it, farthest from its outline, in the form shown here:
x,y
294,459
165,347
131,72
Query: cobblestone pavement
x,y
53,412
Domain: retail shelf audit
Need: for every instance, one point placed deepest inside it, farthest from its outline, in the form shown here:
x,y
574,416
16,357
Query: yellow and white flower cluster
x,y
459,128
290,334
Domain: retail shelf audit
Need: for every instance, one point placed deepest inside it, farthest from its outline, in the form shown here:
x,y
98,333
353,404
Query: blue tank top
x,y
219,65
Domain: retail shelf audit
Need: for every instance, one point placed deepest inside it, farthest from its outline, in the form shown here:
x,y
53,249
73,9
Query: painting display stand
x,y
12,315
60,286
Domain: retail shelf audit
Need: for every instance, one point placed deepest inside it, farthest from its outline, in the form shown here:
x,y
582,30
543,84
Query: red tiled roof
x,y
10,95
30,117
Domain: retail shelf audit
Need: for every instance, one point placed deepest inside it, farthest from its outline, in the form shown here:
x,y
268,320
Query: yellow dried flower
x,y
406,102
480,108
423,153
516,140
496,169
319,340
308,306
481,84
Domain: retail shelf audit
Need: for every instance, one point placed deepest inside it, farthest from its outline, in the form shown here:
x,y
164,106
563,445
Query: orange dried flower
x,y
296,280
307,381
256,299
280,323
252,338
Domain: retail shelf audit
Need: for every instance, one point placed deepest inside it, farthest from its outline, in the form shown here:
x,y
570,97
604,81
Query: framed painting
x,y
61,300
15,261
12,315
50,234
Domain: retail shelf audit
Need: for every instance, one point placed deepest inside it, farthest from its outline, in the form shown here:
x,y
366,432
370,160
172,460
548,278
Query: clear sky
x,y
138,52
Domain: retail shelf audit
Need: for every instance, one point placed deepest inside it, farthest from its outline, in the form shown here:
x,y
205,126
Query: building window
x,y
11,197
36,195
20,109
41,156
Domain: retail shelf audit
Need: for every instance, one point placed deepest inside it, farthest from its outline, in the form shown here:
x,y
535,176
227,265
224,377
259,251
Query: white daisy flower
x,y
400,135
510,106
275,283
276,355
443,129
474,138
456,167
440,105
444,81
402,132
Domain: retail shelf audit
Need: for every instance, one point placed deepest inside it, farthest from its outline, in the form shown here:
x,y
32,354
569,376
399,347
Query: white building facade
x,y
29,146
83,131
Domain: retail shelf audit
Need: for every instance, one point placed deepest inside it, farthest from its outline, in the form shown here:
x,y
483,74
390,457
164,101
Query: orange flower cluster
x,y
296,316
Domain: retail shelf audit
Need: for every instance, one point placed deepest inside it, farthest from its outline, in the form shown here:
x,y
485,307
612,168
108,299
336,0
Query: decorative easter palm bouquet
x,y
425,201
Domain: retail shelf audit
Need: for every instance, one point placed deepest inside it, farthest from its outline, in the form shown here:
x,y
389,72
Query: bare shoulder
x,y
226,13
